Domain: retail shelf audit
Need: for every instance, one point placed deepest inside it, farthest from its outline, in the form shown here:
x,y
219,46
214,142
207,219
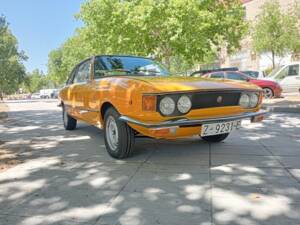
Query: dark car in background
x,y
271,88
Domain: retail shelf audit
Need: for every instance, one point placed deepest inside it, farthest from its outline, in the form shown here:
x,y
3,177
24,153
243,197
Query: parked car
x,y
48,93
271,88
130,96
255,74
199,73
287,76
55,93
35,95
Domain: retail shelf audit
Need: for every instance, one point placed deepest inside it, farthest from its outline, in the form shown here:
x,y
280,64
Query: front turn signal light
x,y
149,103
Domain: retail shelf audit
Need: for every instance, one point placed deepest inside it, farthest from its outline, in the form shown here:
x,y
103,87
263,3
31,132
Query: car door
x,y
290,79
79,88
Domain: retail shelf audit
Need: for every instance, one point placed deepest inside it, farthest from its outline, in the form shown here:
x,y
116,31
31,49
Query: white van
x,y
287,76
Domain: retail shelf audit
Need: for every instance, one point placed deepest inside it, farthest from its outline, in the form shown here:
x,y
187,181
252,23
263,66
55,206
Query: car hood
x,y
263,82
170,84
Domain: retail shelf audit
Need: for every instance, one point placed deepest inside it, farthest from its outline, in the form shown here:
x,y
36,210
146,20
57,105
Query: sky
x,y
40,26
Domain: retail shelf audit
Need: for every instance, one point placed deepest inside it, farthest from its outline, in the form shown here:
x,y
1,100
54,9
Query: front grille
x,y
210,99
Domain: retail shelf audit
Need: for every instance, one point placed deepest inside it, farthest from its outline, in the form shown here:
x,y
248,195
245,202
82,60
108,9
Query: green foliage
x,y
35,81
275,31
62,60
189,29
172,31
294,13
12,71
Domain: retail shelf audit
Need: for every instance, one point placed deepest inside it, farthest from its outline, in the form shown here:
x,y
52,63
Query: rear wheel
x,y
118,136
268,93
215,138
69,122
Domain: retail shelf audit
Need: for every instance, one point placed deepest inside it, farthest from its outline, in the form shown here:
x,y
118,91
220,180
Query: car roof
x,y
120,55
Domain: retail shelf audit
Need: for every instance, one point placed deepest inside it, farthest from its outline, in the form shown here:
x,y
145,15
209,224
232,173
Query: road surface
x,y
66,177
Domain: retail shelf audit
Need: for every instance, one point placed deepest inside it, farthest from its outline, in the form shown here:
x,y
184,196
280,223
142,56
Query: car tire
x,y
118,136
268,93
68,121
215,138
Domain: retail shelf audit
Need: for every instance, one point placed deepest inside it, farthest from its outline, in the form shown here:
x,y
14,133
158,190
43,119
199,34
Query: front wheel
x,y
268,93
215,138
118,136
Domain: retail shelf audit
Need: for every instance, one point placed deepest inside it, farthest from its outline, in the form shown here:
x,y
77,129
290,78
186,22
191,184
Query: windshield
x,y
127,65
275,71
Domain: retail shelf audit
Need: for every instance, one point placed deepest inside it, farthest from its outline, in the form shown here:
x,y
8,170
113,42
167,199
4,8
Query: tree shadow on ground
x,y
68,178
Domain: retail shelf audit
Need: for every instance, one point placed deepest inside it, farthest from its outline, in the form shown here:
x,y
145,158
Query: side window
x,y
217,75
293,70
83,73
98,68
71,77
235,76
283,73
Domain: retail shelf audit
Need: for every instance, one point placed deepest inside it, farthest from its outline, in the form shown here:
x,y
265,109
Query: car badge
x,y
219,99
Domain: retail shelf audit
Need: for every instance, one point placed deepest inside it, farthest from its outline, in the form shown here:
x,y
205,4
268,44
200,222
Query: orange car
x,y
129,96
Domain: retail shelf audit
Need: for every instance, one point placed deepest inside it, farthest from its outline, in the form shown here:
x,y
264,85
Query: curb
x,y
281,109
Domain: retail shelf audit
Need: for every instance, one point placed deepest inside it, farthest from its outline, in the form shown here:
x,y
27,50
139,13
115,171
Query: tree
x,y
187,29
35,81
176,32
12,71
294,12
62,60
275,32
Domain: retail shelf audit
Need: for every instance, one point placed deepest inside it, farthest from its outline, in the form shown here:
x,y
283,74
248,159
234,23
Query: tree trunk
x,y
168,62
273,59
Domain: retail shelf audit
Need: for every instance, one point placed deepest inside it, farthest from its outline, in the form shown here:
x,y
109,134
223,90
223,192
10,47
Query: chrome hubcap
x,y
268,93
112,135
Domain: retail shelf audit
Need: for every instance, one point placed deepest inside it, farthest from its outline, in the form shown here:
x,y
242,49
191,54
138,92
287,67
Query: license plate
x,y
220,128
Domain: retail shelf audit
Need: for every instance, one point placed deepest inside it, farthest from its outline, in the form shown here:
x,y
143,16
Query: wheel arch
x,y
104,107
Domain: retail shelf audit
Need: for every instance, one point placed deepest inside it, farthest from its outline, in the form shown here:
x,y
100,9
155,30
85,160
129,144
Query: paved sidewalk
x,y
289,103
253,178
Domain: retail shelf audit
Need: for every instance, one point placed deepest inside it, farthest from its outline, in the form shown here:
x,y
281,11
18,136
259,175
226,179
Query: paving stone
x,y
230,208
245,160
153,208
40,220
239,150
82,203
194,185
286,187
290,161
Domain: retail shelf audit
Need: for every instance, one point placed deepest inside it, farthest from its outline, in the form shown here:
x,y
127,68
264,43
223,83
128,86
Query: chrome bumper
x,y
188,122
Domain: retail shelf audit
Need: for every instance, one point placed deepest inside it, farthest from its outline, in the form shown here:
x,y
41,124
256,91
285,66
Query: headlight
x,y
184,104
167,106
253,100
244,100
